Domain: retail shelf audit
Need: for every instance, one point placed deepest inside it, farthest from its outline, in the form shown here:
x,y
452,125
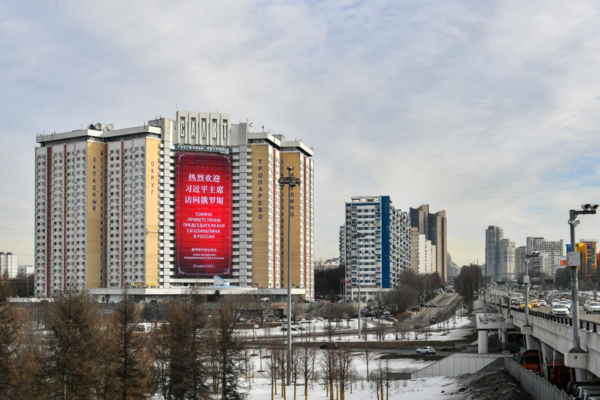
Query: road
x,y
548,310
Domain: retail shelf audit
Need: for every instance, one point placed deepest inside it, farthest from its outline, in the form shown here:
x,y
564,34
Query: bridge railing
x,y
590,326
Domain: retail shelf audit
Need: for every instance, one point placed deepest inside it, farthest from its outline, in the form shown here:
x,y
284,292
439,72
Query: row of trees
x,y
75,352
468,282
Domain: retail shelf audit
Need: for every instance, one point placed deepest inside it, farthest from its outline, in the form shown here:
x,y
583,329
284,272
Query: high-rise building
x,y
423,254
9,264
377,245
453,268
520,260
552,250
169,205
587,249
493,235
435,228
506,264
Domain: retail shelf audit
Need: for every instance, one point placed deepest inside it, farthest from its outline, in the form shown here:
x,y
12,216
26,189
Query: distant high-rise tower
x,y
493,235
435,228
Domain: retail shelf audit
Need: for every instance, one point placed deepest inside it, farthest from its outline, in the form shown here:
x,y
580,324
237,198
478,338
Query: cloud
x,y
420,100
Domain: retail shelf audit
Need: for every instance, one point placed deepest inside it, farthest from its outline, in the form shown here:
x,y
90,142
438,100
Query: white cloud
x,y
419,100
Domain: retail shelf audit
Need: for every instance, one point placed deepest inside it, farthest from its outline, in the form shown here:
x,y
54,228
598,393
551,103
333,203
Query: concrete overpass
x,y
553,336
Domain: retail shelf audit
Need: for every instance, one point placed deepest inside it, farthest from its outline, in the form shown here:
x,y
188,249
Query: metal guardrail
x,y
590,326
537,386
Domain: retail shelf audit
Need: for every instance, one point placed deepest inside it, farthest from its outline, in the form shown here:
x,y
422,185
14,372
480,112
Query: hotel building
x,y
171,205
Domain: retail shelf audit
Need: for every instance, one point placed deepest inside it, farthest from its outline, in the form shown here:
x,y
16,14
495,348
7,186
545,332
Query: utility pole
x,y
291,182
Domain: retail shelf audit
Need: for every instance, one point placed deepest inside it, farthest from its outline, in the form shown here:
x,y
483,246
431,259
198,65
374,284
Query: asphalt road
x,y
548,310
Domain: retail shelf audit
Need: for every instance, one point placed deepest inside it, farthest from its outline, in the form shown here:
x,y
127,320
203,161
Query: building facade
x,y
435,228
553,251
377,245
170,205
9,264
493,236
423,254
506,265
588,250
520,260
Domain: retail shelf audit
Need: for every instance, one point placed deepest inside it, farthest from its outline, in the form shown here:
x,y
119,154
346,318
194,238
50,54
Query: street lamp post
x,y
574,261
358,236
291,182
526,282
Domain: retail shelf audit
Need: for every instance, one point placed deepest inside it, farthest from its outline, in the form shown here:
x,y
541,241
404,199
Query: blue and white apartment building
x,y
377,245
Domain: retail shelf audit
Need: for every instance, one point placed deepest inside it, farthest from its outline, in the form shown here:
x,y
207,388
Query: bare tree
x,y
345,369
306,359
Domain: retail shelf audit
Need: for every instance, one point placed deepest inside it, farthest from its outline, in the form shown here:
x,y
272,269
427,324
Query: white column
x,y
482,341
505,339
581,375
530,344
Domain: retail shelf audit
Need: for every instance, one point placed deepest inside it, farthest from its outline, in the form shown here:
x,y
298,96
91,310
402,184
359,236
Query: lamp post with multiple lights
x,y
291,182
574,261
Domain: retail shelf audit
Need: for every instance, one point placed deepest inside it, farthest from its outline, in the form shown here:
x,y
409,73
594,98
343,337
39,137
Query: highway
x,y
548,310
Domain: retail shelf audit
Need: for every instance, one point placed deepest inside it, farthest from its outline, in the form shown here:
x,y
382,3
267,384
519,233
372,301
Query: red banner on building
x,y
203,214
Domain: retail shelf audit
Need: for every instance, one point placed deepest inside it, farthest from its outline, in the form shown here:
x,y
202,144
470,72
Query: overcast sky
x,y
487,109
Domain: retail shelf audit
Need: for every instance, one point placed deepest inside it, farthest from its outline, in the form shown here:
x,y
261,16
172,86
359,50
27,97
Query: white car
x,y
591,307
566,304
555,302
543,303
560,309
426,350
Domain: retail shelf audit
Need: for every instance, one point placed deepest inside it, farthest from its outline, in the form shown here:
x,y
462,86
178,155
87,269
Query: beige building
x,y
435,228
107,204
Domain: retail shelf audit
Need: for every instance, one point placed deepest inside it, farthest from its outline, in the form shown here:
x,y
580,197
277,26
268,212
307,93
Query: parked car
x,y
326,346
591,307
560,309
426,350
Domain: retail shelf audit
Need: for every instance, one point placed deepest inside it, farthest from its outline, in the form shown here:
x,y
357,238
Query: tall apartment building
x,y
506,264
377,245
520,260
169,205
552,250
9,264
423,254
493,235
435,228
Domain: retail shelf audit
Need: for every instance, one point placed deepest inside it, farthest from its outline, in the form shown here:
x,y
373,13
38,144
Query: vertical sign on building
x,y
203,214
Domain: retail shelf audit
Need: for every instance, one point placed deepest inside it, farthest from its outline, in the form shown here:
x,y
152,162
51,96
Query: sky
x,y
486,109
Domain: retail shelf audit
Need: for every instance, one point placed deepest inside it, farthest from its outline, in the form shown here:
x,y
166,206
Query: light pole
x,y
358,236
291,182
526,282
574,261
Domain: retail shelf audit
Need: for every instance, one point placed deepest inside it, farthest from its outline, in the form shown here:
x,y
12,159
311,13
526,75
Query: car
x,y
386,313
543,303
566,303
560,309
555,302
591,307
535,303
326,346
522,305
426,350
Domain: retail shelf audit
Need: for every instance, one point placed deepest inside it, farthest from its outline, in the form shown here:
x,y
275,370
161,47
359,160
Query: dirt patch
x,y
491,383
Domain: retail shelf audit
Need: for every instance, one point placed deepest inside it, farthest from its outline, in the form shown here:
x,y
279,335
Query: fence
x,y
537,386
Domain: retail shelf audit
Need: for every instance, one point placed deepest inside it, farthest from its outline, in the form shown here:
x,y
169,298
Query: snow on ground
x,y
417,389
458,331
